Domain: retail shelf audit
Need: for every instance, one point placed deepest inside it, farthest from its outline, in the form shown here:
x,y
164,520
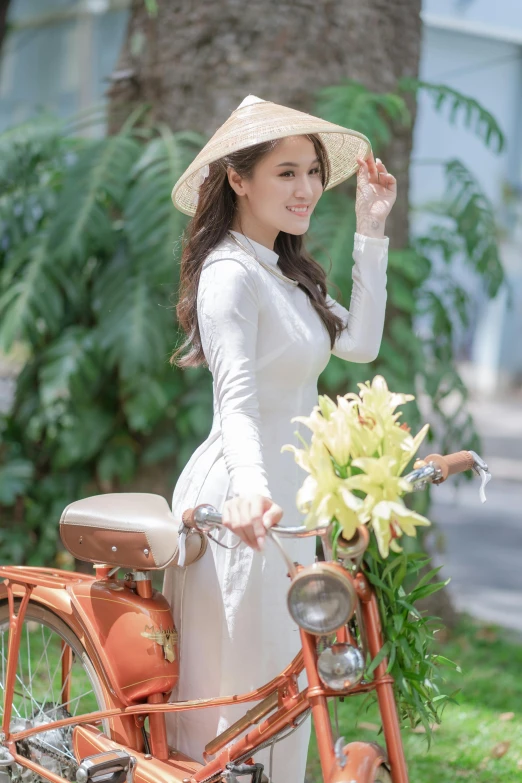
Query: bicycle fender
x,y
361,762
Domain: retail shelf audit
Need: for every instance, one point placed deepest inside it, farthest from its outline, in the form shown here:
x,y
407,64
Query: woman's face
x,y
282,192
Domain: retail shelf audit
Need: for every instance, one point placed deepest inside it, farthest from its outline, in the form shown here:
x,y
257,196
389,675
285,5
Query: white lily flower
x,y
359,446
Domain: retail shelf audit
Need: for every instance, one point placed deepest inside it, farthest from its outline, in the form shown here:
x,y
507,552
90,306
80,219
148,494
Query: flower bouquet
x,y
356,459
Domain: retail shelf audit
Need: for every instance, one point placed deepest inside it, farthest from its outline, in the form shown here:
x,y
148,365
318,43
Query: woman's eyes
x,y
312,171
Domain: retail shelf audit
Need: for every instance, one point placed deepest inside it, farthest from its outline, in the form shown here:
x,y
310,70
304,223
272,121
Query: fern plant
x,y
87,269
89,245
425,302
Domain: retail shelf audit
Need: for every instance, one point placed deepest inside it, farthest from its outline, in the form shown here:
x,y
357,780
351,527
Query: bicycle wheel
x,y
55,679
382,776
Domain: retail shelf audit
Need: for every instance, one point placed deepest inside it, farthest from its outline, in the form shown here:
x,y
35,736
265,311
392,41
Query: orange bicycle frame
x,y
280,699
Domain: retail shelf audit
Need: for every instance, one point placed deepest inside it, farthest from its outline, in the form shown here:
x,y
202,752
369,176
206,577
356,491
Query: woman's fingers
x,y
376,173
363,171
392,182
249,518
256,515
246,522
272,516
372,166
234,519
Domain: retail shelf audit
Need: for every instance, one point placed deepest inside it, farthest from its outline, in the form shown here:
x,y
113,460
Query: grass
x,y
478,739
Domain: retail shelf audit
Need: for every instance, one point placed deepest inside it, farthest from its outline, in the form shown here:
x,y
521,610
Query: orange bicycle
x,y
88,663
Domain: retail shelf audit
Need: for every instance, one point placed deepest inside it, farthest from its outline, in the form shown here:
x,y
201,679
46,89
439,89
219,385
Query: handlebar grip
x,y
450,464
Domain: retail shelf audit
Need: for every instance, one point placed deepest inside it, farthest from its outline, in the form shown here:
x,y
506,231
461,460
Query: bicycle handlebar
x,y
435,469
205,517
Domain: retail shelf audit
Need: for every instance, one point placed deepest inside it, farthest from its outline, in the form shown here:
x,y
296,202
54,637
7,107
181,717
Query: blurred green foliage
x,y
427,306
89,251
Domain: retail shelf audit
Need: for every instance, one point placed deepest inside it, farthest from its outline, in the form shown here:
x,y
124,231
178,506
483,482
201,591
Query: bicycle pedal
x,y
113,766
235,771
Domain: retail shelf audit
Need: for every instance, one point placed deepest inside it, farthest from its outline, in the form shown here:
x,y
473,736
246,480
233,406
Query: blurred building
x,y
60,54
475,46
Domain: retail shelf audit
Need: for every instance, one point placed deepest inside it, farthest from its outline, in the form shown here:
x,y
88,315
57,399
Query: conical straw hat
x,y
255,121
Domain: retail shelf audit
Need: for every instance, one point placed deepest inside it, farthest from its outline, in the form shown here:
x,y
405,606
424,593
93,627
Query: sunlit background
x,y
61,56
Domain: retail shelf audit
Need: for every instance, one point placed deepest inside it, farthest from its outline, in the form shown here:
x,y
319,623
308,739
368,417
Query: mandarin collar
x,y
263,253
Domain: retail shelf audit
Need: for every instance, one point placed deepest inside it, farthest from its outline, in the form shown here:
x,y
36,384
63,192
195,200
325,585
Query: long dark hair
x,y
214,216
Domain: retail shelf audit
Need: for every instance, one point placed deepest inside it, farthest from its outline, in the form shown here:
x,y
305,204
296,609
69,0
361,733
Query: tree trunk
x,y
194,62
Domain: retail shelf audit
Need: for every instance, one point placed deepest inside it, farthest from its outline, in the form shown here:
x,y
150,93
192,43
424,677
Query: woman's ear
x,y
235,181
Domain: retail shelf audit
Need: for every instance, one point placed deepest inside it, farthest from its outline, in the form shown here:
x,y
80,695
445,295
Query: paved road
x,y
483,543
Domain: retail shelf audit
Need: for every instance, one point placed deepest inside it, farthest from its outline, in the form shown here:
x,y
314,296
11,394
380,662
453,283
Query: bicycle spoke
x,y
21,682
44,653
76,699
54,679
51,681
14,705
28,652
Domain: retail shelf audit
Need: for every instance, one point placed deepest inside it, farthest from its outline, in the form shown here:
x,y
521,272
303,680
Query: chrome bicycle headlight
x,y
321,598
341,666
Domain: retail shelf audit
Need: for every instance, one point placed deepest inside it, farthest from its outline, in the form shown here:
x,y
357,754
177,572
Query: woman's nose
x,y
303,188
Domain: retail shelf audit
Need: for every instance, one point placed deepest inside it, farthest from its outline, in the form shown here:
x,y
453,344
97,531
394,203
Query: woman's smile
x,y
301,210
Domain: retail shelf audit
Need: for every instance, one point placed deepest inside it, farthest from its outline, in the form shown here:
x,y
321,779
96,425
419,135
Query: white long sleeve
x,y
364,322
228,308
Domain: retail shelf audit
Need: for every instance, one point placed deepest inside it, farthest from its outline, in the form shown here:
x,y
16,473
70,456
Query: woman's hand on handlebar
x,y
250,516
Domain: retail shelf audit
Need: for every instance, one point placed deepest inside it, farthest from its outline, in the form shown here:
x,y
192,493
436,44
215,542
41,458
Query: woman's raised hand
x,y
249,517
376,194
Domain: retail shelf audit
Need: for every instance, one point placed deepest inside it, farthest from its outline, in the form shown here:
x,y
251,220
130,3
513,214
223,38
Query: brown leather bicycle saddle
x,y
134,530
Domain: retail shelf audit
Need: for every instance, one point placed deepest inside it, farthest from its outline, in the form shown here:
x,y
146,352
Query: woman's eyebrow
x,y
294,164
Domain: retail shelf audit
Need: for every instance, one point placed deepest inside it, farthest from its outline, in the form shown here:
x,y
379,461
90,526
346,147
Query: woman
x,y
255,308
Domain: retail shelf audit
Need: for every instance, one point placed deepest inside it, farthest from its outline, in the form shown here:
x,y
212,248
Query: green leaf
x,y
152,7
428,576
352,105
118,459
475,117
85,435
15,478
72,367
423,592
151,223
400,574
26,148
410,264
446,662
134,324
98,181
392,657
32,304
381,655
145,402
378,582
466,204
402,296
331,236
